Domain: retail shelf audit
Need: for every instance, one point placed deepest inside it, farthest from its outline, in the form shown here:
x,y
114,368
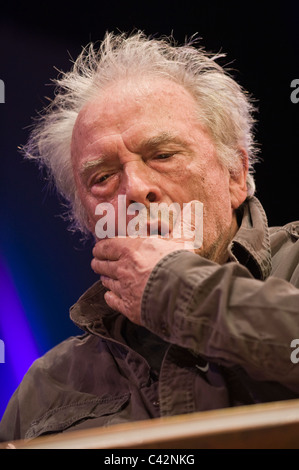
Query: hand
x,y
125,265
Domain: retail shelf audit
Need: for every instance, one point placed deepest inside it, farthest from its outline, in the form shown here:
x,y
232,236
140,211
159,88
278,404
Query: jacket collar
x,y
91,312
251,244
250,247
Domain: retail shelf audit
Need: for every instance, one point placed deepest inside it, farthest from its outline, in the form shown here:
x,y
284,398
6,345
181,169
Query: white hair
x,y
223,105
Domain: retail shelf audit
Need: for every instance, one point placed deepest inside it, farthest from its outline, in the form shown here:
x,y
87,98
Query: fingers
x,y
112,284
107,249
104,268
114,302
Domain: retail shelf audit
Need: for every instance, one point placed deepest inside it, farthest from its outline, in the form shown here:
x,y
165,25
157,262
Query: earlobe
x,y
238,181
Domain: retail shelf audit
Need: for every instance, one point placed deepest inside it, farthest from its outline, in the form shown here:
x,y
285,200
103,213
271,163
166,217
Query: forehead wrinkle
x,y
162,138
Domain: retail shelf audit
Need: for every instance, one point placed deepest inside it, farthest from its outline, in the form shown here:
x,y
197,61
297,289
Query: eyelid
x,y
102,176
164,154
93,179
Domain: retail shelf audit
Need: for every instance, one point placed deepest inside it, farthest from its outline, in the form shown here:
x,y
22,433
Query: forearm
x,y
225,315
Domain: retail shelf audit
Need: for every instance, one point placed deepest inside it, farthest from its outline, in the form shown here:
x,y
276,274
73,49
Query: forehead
x,y
146,101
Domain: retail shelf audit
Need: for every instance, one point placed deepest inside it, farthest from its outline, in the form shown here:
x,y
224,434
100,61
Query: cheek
x,y
106,214
211,187
89,204
90,208
107,190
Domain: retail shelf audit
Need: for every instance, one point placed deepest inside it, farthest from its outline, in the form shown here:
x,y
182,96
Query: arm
x,y
225,315
218,311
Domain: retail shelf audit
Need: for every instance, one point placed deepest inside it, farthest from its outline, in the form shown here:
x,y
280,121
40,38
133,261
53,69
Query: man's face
x,y
143,140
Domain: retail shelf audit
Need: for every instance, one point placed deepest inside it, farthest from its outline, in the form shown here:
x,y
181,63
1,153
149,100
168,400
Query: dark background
x,y
44,266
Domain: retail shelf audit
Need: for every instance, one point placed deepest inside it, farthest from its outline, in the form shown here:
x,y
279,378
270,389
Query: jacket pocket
x,y
63,417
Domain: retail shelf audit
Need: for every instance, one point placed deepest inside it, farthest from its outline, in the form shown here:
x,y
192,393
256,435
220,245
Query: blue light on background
x,y
19,344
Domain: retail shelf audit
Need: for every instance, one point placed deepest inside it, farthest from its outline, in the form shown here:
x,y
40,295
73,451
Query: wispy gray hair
x,y
223,105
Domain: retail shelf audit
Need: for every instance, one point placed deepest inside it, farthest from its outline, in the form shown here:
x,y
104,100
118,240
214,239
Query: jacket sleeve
x,y
225,315
9,424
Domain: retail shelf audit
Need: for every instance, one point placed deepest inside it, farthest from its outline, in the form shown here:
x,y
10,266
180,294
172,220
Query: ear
x,y
238,184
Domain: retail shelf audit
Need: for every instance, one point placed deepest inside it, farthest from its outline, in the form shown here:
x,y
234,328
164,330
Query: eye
x,y
163,156
99,179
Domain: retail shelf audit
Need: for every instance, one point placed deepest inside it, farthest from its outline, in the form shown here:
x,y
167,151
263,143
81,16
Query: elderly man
x,y
169,328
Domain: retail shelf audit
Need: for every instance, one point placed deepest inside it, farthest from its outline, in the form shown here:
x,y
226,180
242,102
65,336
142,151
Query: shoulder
x,y
284,242
46,380
54,368
283,237
288,231
62,363
65,385
59,357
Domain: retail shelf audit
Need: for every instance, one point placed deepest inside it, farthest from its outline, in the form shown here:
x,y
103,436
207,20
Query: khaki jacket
x,y
214,336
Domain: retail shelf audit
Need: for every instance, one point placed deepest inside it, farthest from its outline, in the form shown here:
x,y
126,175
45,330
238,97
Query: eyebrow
x,y
90,165
152,142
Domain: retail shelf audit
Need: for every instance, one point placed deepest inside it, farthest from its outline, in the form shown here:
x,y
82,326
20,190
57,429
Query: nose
x,y
140,184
